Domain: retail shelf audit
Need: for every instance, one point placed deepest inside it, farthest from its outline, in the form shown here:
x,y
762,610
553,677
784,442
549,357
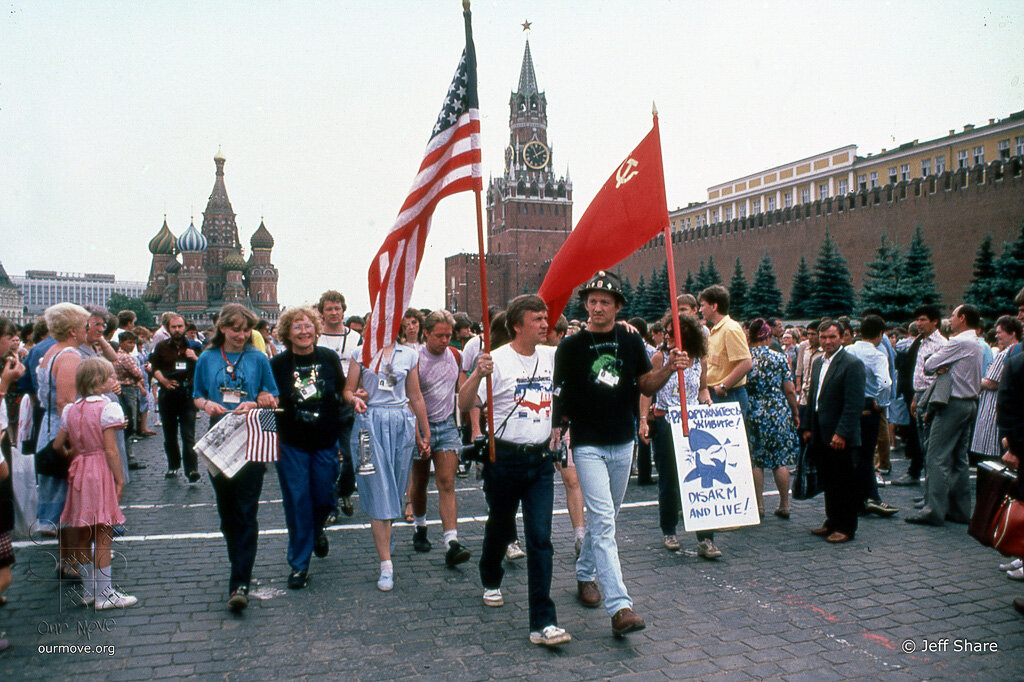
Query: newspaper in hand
x,y
223,446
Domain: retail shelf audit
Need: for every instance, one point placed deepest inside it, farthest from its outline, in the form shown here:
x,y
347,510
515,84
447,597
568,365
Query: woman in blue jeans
x,y
311,383
655,428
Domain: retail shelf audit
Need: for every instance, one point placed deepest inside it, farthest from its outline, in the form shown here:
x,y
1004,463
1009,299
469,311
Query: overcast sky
x,y
111,112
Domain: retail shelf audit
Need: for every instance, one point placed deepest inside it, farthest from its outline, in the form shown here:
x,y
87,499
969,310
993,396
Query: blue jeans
x,y
603,471
515,476
307,490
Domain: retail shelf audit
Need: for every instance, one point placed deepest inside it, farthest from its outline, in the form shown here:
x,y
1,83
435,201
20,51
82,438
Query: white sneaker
x,y
386,582
1016,574
114,600
514,551
493,598
1011,566
552,635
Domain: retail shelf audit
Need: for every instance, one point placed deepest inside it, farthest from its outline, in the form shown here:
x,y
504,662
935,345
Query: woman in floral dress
x,y
773,416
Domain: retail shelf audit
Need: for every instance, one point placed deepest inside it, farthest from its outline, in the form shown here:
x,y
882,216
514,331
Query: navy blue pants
x,y
238,504
528,478
307,489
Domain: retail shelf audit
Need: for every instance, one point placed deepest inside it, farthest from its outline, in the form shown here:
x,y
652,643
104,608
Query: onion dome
x,y
233,261
173,267
151,296
191,239
163,243
261,238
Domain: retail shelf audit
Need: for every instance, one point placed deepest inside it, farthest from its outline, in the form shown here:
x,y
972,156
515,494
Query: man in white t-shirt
x,y
523,469
342,341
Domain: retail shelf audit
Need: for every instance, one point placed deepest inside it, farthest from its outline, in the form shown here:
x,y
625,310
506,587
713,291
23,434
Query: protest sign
x,y
716,484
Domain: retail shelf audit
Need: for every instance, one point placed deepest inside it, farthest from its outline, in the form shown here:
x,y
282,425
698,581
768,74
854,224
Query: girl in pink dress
x,y
88,430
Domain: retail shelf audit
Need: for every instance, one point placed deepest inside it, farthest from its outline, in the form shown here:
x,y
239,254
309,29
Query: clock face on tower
x,y
535,154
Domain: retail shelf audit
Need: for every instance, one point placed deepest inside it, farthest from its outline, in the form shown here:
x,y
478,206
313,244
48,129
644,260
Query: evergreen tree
x,y
712,273
832,293
799,304
143,315
764,298
983,290
738,292
639,296
883,286
661,297
575,310
650,306
918,273
690,285
1010,272
702,277
627,292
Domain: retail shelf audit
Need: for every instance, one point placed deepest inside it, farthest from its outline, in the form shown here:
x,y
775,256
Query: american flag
x,y
450,164
261,426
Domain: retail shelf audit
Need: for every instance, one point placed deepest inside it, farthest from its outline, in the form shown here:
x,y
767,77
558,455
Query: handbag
x,y
48,461
1008,529
995,482
806,482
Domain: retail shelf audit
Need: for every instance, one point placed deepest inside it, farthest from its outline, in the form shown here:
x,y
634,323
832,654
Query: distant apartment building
x,y
42,288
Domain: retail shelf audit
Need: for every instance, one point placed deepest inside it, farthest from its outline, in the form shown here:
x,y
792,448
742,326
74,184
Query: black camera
x,y
476,451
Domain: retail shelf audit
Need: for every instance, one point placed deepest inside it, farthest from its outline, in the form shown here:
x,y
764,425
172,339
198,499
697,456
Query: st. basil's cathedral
x,y
213,269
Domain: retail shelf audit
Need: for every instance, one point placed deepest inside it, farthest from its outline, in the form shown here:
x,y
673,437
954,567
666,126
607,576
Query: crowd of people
x,y
589,399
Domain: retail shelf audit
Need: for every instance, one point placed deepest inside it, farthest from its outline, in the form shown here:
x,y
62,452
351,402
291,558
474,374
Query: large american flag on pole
x,y
450,164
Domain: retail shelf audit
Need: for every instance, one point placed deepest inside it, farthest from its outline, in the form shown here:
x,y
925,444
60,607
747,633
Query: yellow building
x,y
840,171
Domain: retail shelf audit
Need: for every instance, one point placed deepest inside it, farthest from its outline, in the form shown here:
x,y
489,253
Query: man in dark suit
x,y
1010,420
834,405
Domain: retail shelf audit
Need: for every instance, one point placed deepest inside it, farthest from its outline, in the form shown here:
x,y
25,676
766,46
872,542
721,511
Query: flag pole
x,y
485,315
672,292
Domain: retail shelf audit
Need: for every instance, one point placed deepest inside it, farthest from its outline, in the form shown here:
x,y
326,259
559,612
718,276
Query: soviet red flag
x,y
628,211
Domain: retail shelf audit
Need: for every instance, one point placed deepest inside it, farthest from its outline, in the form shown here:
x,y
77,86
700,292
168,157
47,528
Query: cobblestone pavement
x,y
904,602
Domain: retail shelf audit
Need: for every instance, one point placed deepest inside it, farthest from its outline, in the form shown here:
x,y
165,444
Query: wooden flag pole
x,y
486,321
672,292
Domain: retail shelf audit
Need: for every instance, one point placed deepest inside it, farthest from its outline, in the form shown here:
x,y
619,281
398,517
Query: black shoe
x,y
297,580
332,518
419,540
320,546
194,477
462,471
134,464
456,554
171,473
239,598
346,506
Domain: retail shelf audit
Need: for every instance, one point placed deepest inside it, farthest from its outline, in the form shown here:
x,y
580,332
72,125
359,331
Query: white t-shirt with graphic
x,y
522,387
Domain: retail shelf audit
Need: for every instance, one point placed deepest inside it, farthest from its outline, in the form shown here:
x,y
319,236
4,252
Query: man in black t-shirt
x,y
598,377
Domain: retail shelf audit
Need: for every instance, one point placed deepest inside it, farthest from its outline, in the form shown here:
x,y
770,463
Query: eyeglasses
x,y
303,327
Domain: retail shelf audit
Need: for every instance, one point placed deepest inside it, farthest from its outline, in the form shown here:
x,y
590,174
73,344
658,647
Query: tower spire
x,y
527,77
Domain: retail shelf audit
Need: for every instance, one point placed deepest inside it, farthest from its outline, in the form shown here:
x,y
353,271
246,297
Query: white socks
x,y
450,535
88,582
387,567
420,521
102,581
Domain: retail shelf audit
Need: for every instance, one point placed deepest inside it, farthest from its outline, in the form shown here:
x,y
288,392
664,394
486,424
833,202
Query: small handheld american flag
x,y
261,426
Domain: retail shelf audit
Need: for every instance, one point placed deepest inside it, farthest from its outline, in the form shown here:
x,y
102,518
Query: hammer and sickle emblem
x,y
627,171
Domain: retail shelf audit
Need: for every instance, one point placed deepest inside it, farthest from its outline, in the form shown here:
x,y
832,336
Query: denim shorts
x,y
445,436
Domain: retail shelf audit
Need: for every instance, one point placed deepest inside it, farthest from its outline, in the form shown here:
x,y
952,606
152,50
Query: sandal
x,y
782,513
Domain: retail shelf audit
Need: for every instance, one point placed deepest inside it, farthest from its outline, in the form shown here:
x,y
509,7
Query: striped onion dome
x,y
163,242
173,267
151,296
233,261
191,239
261,238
